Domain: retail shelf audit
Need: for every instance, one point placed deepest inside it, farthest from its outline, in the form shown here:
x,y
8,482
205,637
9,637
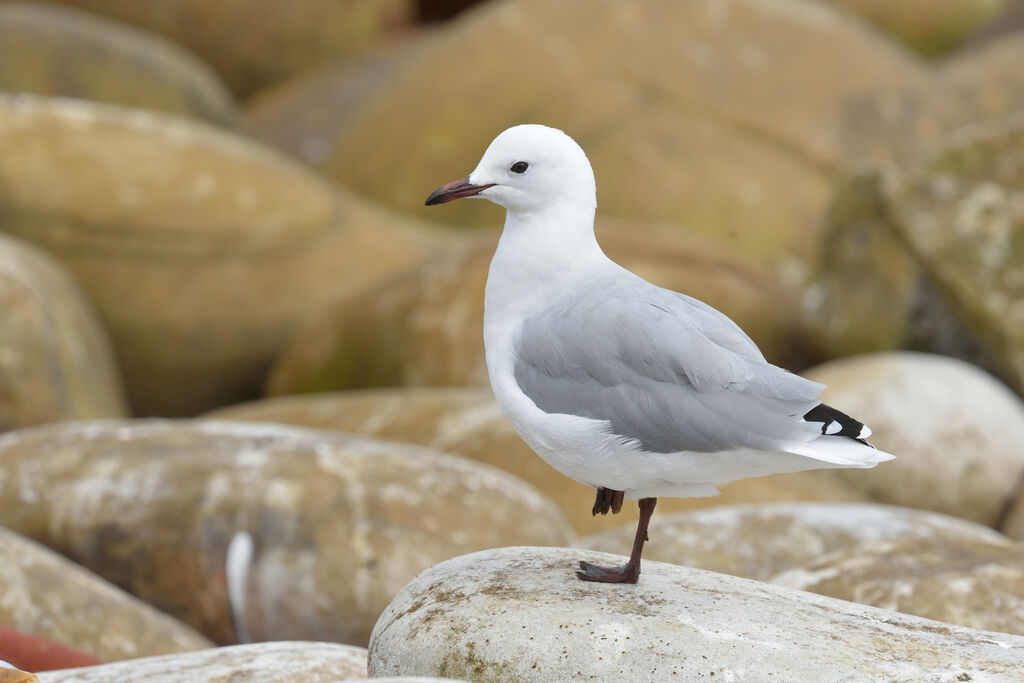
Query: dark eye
x,y
520,167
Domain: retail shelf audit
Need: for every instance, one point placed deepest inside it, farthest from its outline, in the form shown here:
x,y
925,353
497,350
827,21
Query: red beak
x,y
457,189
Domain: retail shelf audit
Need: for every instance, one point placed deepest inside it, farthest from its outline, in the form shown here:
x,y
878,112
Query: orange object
x,y
35,653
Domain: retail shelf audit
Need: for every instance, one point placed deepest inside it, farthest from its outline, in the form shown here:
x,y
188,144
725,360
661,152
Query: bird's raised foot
x,y
607,499
592,572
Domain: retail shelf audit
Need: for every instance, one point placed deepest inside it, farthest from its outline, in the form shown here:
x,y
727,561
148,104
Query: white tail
x,y
841,451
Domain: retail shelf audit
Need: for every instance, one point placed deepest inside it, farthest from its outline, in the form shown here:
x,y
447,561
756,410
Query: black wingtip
x,y
837,423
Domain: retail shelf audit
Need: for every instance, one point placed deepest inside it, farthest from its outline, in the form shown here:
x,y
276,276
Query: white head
x,y
527,169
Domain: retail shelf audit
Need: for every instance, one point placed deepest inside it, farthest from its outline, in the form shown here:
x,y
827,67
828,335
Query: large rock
x,y
720,118
276,662
1013,521
871,293
986,80
425,327
956,432
908,123
930,27
304,115
952,232
200,250
975,582
964,221
47,595
251,49
521,614
57,361
51,50
259,532
760,541
466,422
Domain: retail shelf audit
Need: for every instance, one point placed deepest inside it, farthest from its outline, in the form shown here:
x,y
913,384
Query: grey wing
x,y
664,369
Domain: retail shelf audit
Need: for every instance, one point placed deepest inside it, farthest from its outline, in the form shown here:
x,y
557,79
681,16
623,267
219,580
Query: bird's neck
x,y
538,254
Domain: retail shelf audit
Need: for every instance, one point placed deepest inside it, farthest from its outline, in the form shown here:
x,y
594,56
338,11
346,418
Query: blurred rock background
x,y
213,211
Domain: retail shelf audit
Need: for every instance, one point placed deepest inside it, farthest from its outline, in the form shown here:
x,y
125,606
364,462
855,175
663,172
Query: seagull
x,y
626,387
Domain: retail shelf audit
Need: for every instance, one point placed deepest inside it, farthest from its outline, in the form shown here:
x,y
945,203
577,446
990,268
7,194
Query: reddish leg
x,y
630,573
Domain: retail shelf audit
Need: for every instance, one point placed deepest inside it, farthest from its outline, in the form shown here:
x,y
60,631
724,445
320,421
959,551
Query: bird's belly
x,y
584,449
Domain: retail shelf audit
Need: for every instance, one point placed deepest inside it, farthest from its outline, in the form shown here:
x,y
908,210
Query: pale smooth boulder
x,y
201,250
760,541
57,363
45,594
47,49
956,432
521,614
259,532
271,662
466,421
976,582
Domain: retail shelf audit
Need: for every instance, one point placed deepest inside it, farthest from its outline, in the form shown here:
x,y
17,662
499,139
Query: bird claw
x,y
593,572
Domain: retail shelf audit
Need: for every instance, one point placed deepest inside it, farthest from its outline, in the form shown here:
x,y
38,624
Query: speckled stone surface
x,y
975,582
272,662
47,595
759,541
941,243
520,614
322,529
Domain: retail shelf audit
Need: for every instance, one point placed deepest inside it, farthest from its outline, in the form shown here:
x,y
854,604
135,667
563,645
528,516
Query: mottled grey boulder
x,y
271,662
930,257
254,532
976,582
520,614
759,541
